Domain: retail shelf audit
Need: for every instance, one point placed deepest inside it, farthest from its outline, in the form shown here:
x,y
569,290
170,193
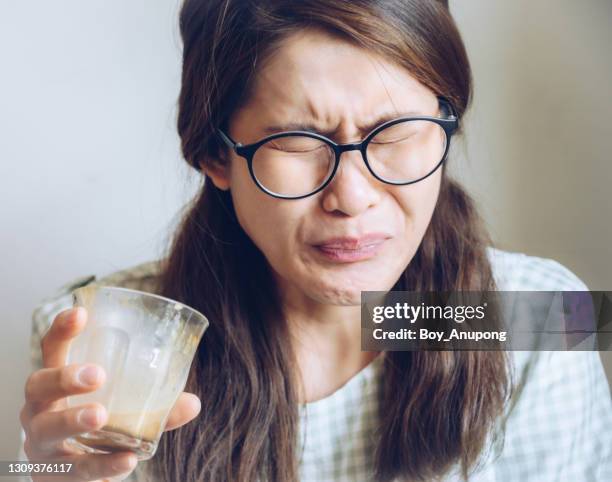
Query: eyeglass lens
x,y
298,165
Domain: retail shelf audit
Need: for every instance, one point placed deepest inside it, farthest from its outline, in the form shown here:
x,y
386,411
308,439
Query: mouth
x,y
349,250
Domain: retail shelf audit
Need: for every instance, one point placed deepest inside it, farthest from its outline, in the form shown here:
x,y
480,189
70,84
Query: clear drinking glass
x,y
146,344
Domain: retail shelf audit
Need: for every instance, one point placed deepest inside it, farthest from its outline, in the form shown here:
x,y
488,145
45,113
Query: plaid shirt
x,y
558,425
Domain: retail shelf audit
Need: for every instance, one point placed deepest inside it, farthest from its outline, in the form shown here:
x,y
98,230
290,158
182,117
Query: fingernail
x,y
124,464
89,417
89,375
78,310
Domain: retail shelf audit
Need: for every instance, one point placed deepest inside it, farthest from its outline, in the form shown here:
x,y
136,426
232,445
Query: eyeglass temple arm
x,y
452,113
227,139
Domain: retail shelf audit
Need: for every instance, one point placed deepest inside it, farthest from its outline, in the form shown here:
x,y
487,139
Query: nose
x,y
353,188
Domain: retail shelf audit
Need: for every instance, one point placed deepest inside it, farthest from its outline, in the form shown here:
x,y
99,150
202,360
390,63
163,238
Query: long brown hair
x,y
436,408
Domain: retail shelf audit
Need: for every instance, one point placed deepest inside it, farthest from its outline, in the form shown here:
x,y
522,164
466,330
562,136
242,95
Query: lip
x,y
348,243
350,249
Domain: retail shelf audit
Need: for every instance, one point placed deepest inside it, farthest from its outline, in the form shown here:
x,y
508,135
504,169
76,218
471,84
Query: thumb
x,y
186,408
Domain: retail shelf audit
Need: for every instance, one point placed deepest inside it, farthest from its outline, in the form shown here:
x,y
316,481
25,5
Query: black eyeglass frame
x,y
449,125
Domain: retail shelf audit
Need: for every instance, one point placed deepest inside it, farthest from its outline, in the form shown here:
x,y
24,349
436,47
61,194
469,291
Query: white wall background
x,y
90,171
91,177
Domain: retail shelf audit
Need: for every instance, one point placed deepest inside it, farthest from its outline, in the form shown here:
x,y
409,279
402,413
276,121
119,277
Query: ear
x,y
218,173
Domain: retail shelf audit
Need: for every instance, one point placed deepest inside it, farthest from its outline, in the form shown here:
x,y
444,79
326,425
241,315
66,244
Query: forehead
x,y
316,76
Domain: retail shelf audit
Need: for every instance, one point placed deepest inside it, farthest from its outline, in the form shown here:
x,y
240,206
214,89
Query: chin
x,y
341,298
338,294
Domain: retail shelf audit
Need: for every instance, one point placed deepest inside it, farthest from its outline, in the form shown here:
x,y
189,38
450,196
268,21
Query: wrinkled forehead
x,y
315,75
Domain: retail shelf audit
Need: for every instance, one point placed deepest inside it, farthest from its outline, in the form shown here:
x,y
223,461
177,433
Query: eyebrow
x,y
363,129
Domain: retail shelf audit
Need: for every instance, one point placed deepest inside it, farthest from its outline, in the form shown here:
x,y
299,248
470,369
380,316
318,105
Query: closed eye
x,y
294,147
392,141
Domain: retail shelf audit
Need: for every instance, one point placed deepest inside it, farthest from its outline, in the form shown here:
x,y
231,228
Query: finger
x,y
50,384
90,467
184,410
66,325
48,429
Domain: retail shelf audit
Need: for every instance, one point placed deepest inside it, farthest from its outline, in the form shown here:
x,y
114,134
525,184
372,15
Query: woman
x,y
283,237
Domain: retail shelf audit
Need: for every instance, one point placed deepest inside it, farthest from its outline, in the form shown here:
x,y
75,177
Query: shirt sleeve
x,y
573,417
558,426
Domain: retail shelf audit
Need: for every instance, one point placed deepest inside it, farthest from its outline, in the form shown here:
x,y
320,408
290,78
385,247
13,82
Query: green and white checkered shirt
x,y
558,426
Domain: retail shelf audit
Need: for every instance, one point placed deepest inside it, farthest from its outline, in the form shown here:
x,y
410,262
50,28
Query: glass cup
x,y
146,344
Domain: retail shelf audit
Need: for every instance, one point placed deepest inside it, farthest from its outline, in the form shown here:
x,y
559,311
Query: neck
x,y
327,344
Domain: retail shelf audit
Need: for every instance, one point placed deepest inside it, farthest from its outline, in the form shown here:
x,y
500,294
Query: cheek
x,y
417,203
272,224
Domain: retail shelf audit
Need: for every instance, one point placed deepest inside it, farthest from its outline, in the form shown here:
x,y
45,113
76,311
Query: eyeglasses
x,y
298,164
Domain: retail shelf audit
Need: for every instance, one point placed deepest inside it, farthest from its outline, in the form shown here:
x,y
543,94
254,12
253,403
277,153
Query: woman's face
x,y
326,82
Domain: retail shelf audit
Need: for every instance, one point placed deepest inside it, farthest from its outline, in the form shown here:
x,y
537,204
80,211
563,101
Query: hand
x,y
47,420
